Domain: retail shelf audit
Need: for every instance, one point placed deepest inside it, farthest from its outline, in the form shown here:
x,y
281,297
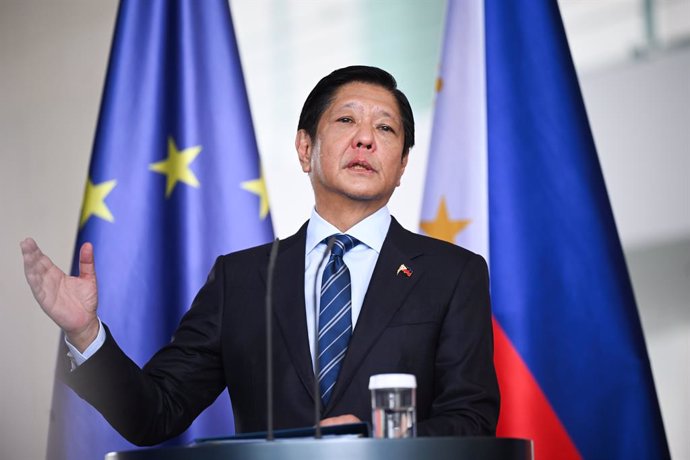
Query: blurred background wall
x,y
633,61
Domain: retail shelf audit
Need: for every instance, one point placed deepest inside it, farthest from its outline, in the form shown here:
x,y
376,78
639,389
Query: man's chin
x,y
355,195
370,200
364,196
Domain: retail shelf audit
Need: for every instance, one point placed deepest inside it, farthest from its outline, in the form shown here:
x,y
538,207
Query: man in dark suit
x,y
408,303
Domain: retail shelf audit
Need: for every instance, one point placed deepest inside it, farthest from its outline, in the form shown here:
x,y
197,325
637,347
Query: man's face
x,y
356,157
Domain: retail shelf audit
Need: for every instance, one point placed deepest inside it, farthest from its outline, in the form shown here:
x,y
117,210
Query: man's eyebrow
x,y
389,115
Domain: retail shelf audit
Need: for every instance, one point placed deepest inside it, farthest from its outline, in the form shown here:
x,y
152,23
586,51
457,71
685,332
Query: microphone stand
x,y
317,392
269,339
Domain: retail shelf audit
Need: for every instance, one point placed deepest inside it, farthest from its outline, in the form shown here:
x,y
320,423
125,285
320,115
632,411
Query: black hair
x,y
323,93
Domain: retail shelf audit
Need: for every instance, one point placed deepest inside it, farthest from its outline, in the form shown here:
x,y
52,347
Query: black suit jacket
x,y
435,324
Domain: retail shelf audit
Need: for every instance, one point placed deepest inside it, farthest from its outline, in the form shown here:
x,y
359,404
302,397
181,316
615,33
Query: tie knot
x,y
342,244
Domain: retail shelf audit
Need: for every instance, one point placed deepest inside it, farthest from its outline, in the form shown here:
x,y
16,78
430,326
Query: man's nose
x,y
364,139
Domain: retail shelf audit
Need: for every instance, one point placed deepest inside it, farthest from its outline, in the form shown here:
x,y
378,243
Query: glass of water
x,y
393,403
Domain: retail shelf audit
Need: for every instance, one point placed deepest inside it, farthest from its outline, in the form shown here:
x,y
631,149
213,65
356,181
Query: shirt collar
x,y
371,231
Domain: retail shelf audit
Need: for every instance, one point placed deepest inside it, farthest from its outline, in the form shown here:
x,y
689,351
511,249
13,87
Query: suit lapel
x,y
385,295
288,308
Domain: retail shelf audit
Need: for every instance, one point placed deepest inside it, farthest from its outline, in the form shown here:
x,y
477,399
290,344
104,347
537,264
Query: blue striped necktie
x,y
335,318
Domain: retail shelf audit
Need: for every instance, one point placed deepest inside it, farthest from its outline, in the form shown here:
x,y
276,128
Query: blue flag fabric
x,y
174,181
560,286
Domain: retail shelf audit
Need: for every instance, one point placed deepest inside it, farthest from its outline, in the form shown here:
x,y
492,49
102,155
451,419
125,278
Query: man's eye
x,y
345,120
386,128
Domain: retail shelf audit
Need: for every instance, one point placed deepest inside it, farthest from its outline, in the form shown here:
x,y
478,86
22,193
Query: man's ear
x,y
303,145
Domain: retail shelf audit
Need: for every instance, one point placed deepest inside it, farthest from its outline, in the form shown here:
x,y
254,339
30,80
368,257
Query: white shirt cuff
x,y
79,358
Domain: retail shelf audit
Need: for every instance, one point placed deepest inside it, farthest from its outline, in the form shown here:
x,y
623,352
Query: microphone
x,y
317,392
269,339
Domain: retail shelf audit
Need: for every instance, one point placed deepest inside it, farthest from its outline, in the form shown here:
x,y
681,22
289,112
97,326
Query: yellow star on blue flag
x,y
94,201
258,187
176,166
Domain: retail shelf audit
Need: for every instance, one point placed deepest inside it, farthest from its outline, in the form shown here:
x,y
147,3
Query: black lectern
x,y
342,448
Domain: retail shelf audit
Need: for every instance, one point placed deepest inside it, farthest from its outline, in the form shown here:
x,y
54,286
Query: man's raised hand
x,y
70,301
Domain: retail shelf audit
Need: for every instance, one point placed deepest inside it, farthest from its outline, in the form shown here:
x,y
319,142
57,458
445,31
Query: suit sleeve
x,y
466,396
149,405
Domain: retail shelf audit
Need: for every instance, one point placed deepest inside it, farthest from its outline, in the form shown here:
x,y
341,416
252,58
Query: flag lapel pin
x,y
405,270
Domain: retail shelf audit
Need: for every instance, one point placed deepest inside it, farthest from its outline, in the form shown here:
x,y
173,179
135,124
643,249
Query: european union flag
x,y
174,181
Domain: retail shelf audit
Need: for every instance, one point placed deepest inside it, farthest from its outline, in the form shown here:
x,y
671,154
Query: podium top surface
x,y
337,448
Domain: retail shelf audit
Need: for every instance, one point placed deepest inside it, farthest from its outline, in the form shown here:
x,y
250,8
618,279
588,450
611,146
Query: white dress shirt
x,y
360,260
78,358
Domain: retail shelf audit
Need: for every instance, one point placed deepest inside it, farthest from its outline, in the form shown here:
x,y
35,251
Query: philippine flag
x,y
513,175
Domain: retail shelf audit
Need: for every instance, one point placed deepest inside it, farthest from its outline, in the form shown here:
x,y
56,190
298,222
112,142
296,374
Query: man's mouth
x,y
359,166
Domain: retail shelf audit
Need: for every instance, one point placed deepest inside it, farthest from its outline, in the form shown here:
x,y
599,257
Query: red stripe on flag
x,y
525,412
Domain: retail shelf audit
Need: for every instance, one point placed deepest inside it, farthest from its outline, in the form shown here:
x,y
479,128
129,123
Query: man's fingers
x,y
339,420
69,301
30,251
87,266
28,245
35,262
40,272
